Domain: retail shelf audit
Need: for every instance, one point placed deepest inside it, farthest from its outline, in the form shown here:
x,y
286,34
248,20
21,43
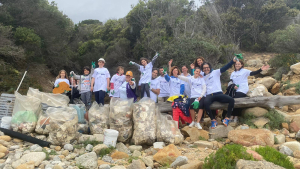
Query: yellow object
x,y
62,87
129,73
172,98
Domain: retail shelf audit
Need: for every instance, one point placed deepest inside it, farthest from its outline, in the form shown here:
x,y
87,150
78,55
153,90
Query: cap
x,y
129,73
101,59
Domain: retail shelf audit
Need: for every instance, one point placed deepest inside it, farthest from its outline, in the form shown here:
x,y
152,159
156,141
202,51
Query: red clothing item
x,y
178,113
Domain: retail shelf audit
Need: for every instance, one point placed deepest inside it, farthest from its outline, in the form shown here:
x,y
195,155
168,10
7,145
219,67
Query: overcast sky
x,y
102,10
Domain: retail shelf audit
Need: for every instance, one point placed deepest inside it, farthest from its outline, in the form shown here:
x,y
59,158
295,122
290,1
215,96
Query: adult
x,y
184,69
214,91
164,87
239,83
154,86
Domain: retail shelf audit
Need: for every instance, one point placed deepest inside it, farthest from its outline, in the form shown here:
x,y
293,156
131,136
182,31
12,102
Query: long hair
x,y
175,67
195,62
242,63
66,75
144,59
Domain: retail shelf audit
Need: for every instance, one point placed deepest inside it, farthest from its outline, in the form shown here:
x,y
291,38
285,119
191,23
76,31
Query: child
x,y
198,89
75,92
85,85
146,74
128,88
164,92
116,81
62,77
101,81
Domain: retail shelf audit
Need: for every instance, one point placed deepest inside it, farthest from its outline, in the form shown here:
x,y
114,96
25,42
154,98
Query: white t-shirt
x,y
122,90
154,85
57,81
164,87
100,75
213,82
146,73
187,88
196,86
175,84
118,81
241,78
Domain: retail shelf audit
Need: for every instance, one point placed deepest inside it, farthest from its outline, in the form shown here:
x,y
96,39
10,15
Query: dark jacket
x,y
131,92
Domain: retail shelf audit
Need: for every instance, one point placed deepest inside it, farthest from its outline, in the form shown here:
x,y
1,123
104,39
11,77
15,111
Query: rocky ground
x,y
88,152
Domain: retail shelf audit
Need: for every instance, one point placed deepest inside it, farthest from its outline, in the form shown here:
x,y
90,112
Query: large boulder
x,y
220,131
36,157
276,88
258,90
247,164
290,92
88,160
268,72
256,111
167,155
251,137
194,133
296,68
255,63
268,82
137,164
260,122
204,144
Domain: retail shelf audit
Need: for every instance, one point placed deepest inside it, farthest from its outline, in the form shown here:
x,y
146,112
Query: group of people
x,y
202,86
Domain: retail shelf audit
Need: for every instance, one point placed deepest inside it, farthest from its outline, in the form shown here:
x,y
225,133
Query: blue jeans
x,y
99,96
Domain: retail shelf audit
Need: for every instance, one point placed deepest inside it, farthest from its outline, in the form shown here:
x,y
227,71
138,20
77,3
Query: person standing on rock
x,y
214,91
239,81
198,89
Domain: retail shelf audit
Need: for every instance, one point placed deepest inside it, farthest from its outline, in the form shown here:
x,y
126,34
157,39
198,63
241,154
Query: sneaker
x,y
236,120
214,124
198,126
192,124
225,122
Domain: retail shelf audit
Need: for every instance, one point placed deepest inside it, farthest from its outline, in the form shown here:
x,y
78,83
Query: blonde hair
x,y
66,75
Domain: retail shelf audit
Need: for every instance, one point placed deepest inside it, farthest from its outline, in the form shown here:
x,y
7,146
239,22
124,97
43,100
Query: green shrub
x,y
92,142
226,157
272,155
275,118
247,119
105,151
201,138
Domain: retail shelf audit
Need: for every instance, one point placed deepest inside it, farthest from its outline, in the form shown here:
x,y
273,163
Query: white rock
x,y
280,138
135,147
181,160
122,148
298,134
118,167
136,153
68,147
99,137
293,145
89,147
37,157
285,150
36,148
104,166
148,161
159,145
56,158
49,166
107,158
99,147
14,147
88,161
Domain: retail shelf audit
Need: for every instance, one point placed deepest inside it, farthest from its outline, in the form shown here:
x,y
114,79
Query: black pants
x,y
236,111
99,96
219,97
145,88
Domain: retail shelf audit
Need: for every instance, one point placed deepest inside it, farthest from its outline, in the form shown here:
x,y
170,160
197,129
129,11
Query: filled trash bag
x,y
63,125
42,126
144,119
120,117
80,108
25,113
98,118
34,93
167,130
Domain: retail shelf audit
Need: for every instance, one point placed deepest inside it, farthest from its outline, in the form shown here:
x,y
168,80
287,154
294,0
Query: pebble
x,y
89,147
14,147
285,150
107,158
56,158
36,148
181,160
136,153
135,147
65,153
104,166
68,147
159,145
57,148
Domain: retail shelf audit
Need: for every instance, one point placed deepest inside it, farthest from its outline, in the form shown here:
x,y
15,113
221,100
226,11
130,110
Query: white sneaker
x,y
236,120
198,126
192,124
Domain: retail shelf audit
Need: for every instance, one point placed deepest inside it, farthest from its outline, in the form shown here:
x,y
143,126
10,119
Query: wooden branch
x,y
266,102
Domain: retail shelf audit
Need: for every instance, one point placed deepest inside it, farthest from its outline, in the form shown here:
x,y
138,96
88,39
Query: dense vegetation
x,y
34,31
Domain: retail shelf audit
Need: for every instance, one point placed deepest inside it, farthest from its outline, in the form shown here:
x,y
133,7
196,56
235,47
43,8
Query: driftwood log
x,y
246,102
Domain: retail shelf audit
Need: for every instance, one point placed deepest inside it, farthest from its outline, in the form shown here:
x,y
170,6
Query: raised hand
x,y
131,62
265,67
192,66
170,62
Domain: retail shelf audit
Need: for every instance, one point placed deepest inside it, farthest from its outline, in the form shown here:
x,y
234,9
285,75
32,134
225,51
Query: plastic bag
x,y
55,100
42,126
98,118
34,93
83,128
25,113
6,122
144,118
80,108
167,130
63,125
120,117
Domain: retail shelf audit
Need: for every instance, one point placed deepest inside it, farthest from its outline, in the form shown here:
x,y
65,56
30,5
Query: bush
x,y
275,118
284,60
226,157
272,155
247,119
